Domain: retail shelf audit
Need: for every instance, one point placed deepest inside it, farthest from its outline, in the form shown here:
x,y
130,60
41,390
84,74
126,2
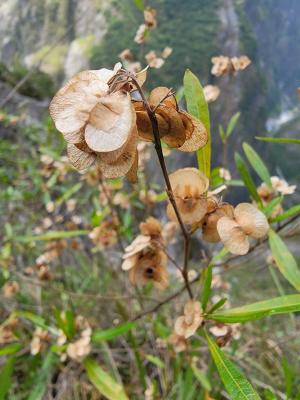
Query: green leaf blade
x,y
206,287
257,164
103,382
232,124
278,140
260,309
291,212
235,382
198,107
246,177
284,259
112,333
6,377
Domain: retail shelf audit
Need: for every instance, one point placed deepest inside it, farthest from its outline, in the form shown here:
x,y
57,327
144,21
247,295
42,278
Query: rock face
x,y
65,36
55,35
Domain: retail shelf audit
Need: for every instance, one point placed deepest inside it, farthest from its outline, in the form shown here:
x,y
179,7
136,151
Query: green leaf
x,y
198,107
217,305
222,133
287,214
250,312
52,235
234,380
66,322
139,4
278,140
68,193
156,361
285,261
206,286
6,377
105,384
112,333
10,349
201,377
40,385
246,177
36,319
232,124
257,164
269,208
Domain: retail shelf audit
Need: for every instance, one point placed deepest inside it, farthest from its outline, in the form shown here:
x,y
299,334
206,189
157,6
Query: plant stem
x,y
159,152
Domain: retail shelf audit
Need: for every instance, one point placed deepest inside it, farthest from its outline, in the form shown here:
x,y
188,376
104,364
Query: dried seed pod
x,y
189,186
209,227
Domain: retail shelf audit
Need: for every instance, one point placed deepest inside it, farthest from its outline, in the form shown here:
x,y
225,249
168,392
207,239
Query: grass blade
x,y
278,140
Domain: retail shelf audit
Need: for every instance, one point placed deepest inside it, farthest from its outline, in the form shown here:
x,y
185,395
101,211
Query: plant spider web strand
x,y
169,190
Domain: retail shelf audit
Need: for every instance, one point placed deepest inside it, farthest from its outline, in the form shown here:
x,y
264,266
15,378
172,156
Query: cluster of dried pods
x,y
101,122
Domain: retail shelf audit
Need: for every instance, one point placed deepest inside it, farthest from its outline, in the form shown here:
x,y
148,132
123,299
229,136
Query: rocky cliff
x,y
64,36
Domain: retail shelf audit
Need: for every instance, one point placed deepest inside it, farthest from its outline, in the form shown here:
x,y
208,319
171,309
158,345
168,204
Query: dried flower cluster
x,y
150,23
189,188
223,65
219,221
187,324
144,258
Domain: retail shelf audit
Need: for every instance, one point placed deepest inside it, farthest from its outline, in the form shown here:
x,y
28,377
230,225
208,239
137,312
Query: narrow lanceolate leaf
x,y
284,259
10,349
246,177
235,382
257,164
278,140
250,312
206,286
269,208
197,106
232,124
291,212
52,235
103,382
112,333
44,375
6,377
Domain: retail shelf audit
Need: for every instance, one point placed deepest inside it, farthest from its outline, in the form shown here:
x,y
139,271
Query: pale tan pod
x,y
253,222
138,244
141,76
132,173
158,94
111,156
188,216
189,176
129,262
195,139
122,164
232,236
80,159
108,136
